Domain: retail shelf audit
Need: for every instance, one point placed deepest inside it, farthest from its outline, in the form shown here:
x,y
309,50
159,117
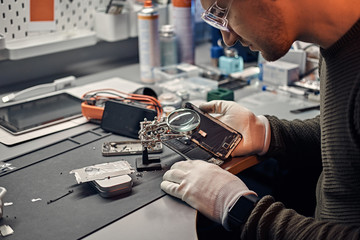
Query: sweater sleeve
x,y
296,141
271,220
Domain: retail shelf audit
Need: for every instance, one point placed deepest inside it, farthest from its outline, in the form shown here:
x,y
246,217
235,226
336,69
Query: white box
x,y
280,73
296,57
112,27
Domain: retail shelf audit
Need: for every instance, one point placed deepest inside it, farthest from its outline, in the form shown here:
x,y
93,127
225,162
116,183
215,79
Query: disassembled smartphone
x,y
213,135
128,148
109,179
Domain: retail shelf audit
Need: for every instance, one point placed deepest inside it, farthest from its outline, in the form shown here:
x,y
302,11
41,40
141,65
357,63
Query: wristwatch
x,y
240,211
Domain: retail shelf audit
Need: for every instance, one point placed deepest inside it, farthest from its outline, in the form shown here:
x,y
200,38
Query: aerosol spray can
x,y
149,43
184,29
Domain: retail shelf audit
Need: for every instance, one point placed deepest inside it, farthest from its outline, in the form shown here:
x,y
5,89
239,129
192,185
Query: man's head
x,y
271,26
258,24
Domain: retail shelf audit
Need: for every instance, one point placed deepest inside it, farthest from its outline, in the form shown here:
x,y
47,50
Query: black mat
x,y
81,212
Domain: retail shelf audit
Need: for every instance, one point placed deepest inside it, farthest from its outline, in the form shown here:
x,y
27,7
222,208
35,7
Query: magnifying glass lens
x,y
183,120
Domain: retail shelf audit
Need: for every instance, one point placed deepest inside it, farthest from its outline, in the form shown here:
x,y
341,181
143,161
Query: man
x,y
271,26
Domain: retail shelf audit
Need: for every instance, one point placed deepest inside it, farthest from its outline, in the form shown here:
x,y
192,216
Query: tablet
x,y
27,116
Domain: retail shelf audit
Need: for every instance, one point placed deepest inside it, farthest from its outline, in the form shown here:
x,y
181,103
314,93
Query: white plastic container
x,y
112,27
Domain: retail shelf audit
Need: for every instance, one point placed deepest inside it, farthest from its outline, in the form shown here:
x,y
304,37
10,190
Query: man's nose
x,y
229,38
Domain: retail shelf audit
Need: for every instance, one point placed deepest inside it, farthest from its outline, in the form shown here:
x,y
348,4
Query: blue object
x,y
231,62
216,52
215,36
244,52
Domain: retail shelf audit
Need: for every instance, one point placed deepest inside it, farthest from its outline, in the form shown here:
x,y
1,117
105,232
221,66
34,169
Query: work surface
x,y
38,188
42,171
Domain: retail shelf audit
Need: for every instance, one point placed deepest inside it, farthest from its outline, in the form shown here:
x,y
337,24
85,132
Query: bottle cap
x,y
231,52
148,3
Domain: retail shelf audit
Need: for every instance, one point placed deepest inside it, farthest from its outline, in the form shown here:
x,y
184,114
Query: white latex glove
x,y
255,129
204,186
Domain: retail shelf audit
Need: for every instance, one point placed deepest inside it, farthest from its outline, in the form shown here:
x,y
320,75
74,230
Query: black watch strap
x,y
241,210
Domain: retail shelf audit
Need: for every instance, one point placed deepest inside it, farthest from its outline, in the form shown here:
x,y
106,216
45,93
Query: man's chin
x,y
272,56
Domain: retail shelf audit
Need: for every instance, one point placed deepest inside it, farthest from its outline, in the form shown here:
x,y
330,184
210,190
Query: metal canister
x,y
184,29
149,43
168,46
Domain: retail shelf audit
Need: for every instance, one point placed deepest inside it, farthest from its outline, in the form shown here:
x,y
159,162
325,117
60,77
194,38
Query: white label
x,y
184,31
149,48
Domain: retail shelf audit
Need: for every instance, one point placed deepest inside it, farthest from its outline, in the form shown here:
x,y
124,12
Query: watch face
x,y
241,210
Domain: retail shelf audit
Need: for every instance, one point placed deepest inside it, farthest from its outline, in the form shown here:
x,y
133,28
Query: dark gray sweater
x,y
333,138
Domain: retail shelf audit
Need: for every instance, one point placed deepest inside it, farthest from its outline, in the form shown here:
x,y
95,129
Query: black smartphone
x,y
124,118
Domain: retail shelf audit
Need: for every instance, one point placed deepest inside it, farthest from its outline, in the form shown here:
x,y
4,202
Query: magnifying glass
x,y
183,120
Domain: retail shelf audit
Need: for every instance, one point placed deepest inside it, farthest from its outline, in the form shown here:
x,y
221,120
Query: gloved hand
x,y
204,186
255,129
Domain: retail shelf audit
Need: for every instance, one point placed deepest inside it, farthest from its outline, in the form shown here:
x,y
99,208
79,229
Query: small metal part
x,y
128,148
202,133
5,167
102,171
216,161
6,230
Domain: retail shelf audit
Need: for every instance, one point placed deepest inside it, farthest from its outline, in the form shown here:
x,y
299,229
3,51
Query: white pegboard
x,y
69,15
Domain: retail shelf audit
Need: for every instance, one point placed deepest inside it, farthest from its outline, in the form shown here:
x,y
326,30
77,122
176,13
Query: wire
x,y
301,76
43,87
56,85
109,93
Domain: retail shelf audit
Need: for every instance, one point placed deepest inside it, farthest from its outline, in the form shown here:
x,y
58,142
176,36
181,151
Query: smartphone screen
x,y
23,117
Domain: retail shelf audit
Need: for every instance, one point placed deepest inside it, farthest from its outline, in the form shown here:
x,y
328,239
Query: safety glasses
x,y
217,16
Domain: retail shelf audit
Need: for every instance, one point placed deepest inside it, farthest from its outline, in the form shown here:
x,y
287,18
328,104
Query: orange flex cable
x,y
91,111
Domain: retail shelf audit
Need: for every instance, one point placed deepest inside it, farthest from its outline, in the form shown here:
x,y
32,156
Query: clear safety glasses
x,y
217,16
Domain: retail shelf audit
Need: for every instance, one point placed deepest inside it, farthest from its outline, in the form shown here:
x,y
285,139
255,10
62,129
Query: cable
x,y
301,76
58,84
97,97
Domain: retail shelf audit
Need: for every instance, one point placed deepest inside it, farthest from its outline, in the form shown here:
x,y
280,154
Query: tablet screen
x,y
26,116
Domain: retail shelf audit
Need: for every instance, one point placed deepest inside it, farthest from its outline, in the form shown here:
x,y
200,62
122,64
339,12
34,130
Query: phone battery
x,y
128,148
113,186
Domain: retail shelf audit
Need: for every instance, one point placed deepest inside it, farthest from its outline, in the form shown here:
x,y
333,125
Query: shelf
x,y
49,43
